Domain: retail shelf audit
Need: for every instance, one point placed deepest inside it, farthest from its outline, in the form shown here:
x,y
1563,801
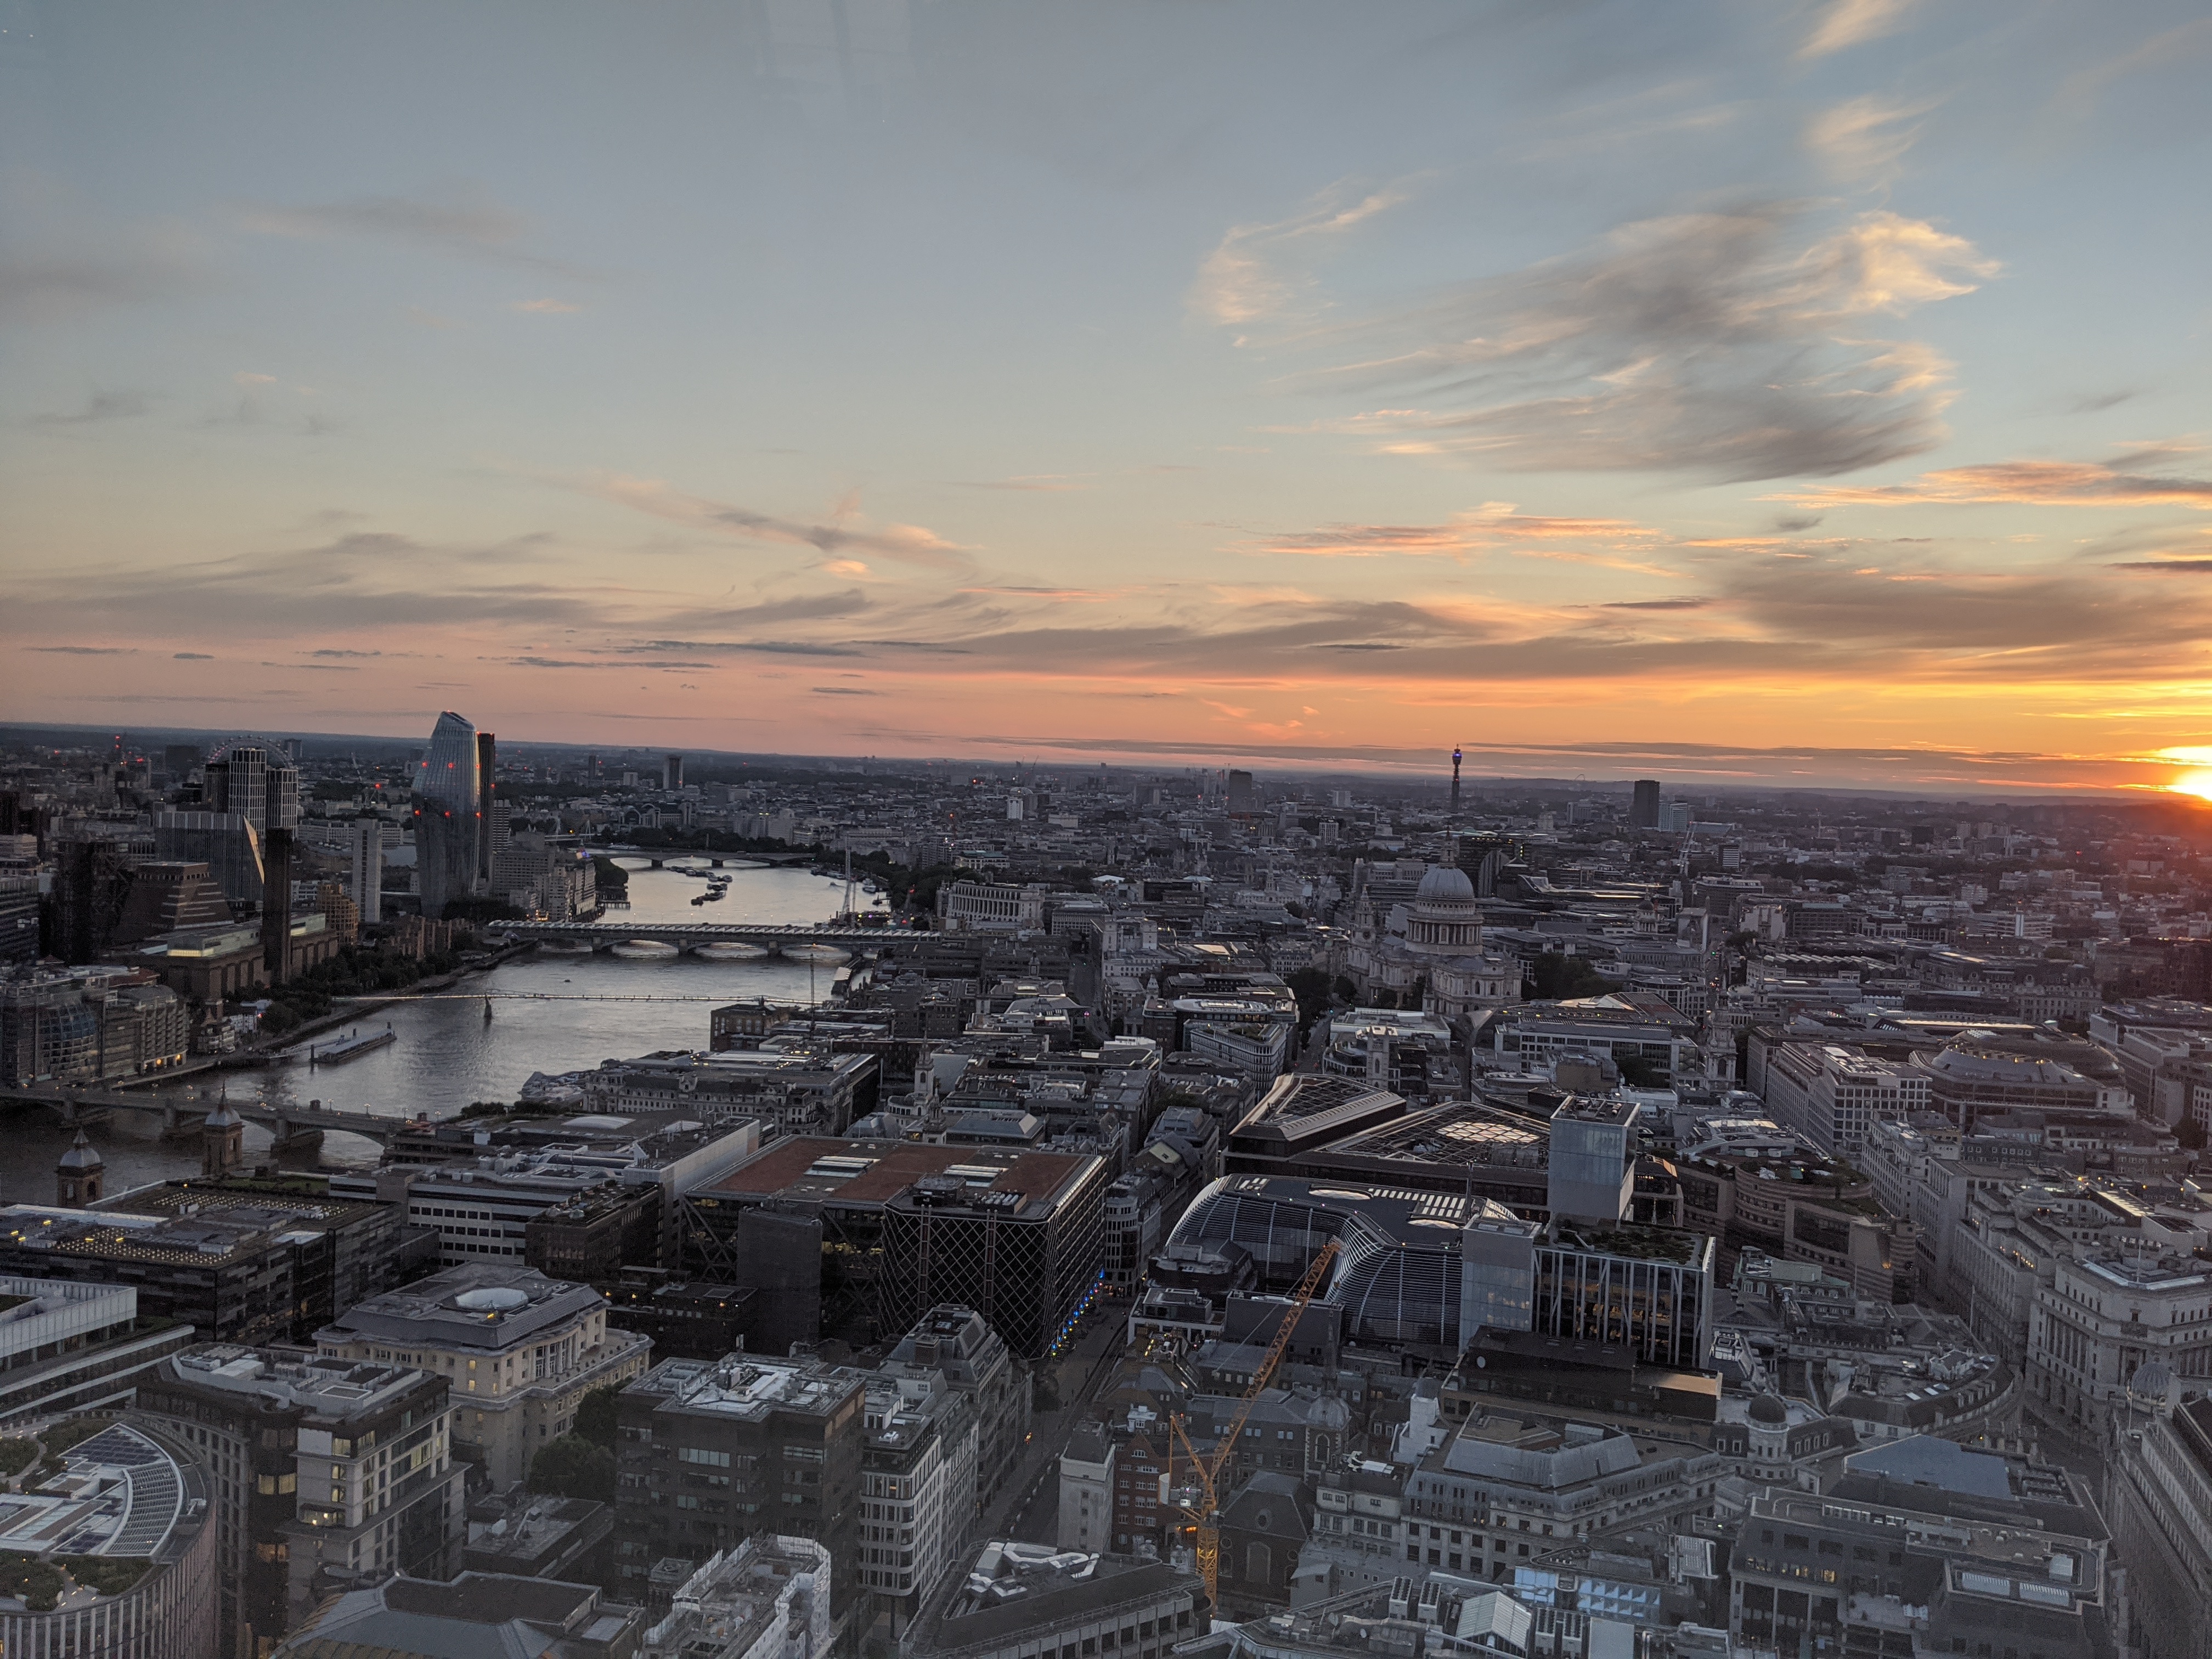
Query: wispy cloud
x,y
463,225
2083,90
1041,483
546,307
86,650
375,579
1246,277
1730,345
2038,483
75,272
841,531
1843,23
625,662
99,407
1497,524
1863,141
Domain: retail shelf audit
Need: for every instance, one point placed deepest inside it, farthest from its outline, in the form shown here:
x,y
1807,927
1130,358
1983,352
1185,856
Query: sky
x,y
1737,393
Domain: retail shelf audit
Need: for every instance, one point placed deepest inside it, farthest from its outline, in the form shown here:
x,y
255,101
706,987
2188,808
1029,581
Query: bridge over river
x,y
769,936
294,1124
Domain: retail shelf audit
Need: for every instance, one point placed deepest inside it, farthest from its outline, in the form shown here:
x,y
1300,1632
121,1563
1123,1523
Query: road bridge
x,y
769,936
292,1123
661,856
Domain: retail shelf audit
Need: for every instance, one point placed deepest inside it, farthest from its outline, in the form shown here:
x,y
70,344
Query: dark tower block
x,y
487,758
1644,805
1455,761
276,907
81,1176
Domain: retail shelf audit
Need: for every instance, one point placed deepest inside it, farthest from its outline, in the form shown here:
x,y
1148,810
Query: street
x,y
1027,1505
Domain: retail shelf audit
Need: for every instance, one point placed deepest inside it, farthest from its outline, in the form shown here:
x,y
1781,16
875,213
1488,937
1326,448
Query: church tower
x,y
223,1142
80,1175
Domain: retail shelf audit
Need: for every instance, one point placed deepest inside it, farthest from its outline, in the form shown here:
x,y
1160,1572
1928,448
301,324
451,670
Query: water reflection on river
x,y
550,1014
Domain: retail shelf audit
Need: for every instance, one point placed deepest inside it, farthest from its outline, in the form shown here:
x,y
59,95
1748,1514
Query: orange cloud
x,y
2034,483
1495,523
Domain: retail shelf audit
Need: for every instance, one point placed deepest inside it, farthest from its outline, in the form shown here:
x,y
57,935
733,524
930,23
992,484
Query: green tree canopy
x,y
595,1415
572,1467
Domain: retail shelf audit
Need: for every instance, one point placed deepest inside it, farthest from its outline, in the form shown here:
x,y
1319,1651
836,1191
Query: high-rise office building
x,y
324,1472
1643,805
1243,800
19,919
447,802
712,1452
1592,1159
366,881
487,762
276,907
672,772
258,781
92,885
254,780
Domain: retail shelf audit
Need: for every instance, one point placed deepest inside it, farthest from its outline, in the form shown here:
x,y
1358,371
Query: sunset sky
x,y
1725,392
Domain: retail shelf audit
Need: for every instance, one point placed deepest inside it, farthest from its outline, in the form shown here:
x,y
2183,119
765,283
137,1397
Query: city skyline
x,y
1806,396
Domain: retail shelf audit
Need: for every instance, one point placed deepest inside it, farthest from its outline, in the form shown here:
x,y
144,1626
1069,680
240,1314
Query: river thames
x,y
549,1013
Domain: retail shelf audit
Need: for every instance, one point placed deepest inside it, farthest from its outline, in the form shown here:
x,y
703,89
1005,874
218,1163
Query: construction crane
x,y
1210,1470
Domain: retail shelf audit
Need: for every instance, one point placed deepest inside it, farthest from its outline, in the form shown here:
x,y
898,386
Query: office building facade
x,y
518,1350
324,1473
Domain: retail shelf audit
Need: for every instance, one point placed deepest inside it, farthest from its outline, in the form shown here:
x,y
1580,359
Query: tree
x,y
595,1415
1556,976
2190,1133
1310,987
572,1467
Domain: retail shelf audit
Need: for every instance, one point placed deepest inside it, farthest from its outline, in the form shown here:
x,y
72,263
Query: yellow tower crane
x,y
1212,1470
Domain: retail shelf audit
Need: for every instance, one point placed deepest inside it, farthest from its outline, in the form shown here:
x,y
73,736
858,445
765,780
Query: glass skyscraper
x,y
447,799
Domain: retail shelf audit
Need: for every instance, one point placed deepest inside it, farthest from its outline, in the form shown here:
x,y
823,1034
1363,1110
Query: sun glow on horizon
x,y
2198,780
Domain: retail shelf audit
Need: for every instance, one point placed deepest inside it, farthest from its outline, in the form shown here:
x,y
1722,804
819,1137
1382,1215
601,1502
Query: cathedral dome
x,y
1443,884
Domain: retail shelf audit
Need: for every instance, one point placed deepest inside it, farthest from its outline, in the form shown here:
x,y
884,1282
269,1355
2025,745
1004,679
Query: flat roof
x,y
120,1494
480,1305
340,1389
874,1172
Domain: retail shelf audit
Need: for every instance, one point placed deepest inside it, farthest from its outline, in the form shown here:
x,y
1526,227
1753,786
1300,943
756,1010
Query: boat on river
x,y
351,1047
